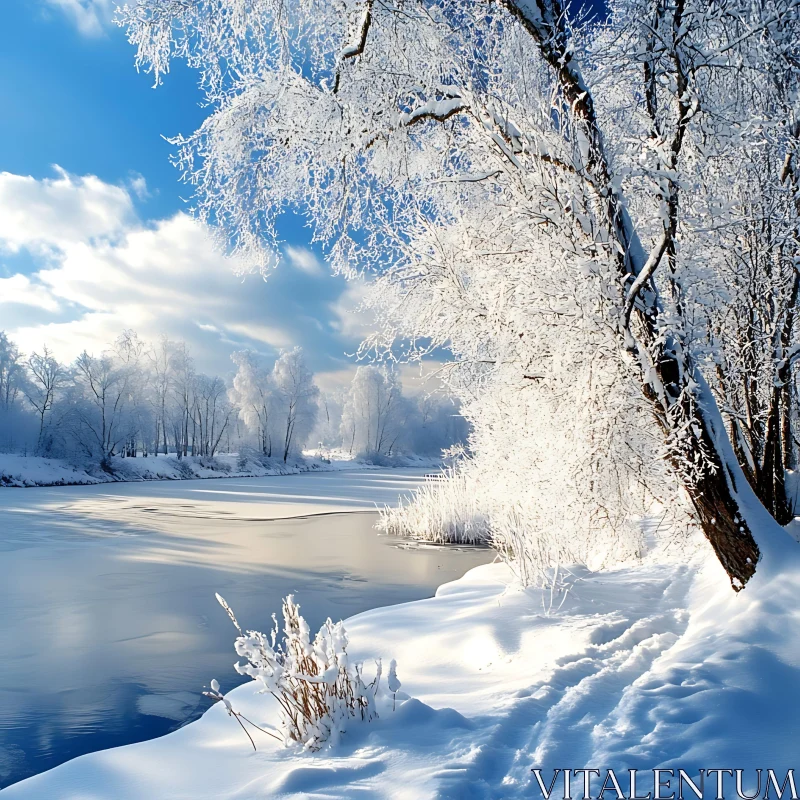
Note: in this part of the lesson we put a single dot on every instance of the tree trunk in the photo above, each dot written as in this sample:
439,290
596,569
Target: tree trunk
714,499
714,491
787,415
771,487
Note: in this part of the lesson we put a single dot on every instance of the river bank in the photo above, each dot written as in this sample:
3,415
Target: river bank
642,667
110,627
28,471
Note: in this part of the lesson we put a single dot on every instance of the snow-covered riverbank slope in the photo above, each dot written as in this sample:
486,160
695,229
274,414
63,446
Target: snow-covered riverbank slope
659,665
20,471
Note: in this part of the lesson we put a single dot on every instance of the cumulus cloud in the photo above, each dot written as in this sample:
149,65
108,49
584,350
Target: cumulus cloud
19,290
81,267
166,277
90,17
61,211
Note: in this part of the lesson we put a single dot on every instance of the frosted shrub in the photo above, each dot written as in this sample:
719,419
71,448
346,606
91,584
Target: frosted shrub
317,689
542,498
444,512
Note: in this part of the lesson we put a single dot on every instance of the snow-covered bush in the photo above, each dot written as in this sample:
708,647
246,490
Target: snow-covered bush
473,505
213,463
317,689
446,511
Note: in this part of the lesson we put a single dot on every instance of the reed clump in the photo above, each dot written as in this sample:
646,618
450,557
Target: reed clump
318,690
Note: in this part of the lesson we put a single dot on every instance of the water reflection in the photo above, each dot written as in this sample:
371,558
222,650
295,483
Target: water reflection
110,627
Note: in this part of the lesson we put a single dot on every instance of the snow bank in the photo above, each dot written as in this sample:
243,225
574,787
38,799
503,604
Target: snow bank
34,471
647,667
16,470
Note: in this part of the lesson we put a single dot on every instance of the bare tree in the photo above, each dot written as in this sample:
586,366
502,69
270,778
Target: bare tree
211,414
160,359
181,385
101,405
47,377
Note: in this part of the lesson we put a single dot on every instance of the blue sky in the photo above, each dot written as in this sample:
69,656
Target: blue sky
93,233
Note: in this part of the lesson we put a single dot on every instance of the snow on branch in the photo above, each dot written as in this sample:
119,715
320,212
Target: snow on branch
439,110
356,48
628,171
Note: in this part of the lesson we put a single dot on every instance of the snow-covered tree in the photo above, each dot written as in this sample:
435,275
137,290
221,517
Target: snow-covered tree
329,419
17,428
130,350
179,408
160,368
296,397
253,393
12,373
753,333
211,414
100,420
375,416
531,194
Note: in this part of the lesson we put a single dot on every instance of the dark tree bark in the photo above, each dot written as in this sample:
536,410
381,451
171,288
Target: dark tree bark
714,500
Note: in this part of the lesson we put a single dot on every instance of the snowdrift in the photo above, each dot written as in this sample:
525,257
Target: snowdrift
16,470
645,667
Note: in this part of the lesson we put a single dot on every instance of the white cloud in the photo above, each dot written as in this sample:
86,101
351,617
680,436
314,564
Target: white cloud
336,380
164,278
18,289
89,16
303,259
93,332
351,318
138,185
99,269
275,337
61,211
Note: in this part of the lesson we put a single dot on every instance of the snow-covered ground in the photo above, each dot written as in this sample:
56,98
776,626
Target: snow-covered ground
643,666
18,470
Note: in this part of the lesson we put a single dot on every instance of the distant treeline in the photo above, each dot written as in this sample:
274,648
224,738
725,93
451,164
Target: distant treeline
139,398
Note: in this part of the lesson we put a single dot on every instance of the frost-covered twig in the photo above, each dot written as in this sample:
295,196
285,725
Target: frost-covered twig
216,695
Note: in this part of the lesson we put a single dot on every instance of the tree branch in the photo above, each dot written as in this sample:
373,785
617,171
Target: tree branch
357,49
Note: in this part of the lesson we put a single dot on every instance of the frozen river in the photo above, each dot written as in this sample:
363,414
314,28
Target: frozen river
109,627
